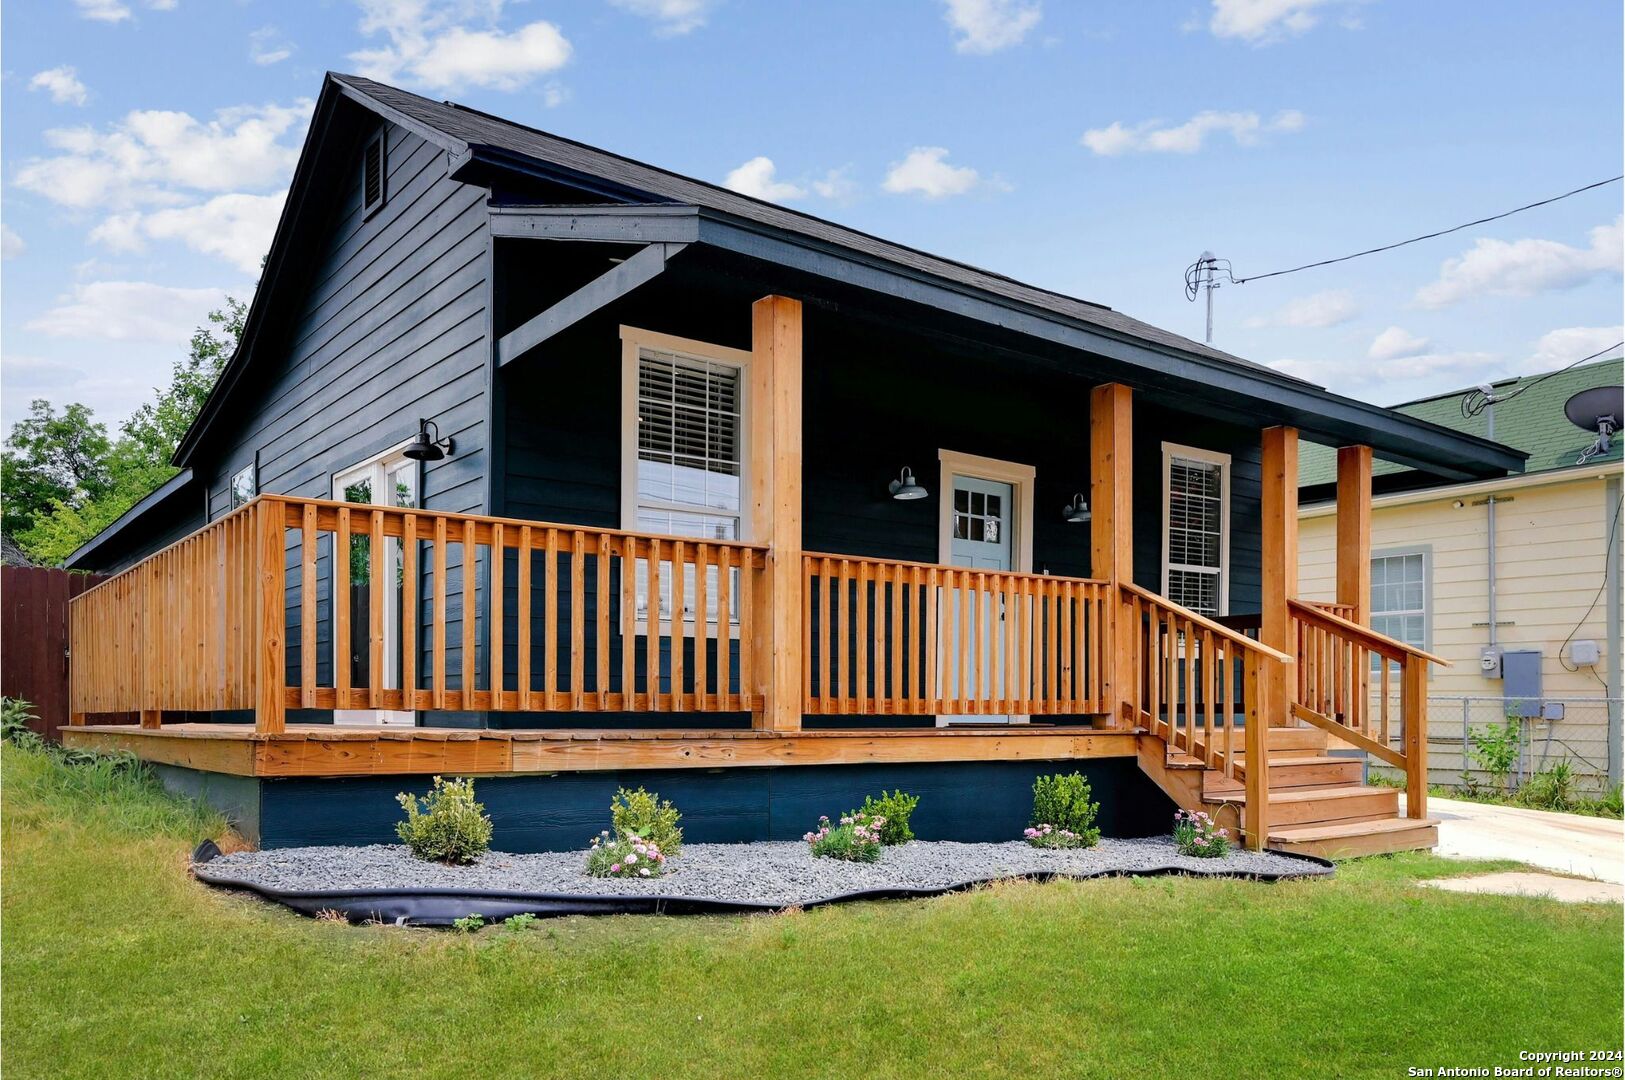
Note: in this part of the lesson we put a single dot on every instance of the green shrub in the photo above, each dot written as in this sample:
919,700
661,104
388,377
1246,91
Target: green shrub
641,814
469,924
893,808
1495,748
446,825
15,713
852,840
628,856
1062,801
1199,835
525,920
1550,789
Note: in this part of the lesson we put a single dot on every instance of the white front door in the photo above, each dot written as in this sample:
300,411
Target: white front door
390,480
981,516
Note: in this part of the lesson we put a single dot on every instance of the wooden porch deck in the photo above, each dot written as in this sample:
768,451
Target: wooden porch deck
326,750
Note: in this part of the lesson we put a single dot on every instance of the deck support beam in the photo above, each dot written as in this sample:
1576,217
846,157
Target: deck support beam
1279,563
1111,524
773,443
1354,531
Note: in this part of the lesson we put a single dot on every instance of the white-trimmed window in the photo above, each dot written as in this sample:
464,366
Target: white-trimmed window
1196,528
1399,601
683,451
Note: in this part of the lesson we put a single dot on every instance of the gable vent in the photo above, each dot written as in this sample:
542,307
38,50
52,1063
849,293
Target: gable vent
372,175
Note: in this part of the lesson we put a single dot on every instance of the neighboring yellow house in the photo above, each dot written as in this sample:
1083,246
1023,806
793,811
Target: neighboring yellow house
1555,588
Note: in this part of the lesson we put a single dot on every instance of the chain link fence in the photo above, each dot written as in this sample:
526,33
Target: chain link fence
1573,729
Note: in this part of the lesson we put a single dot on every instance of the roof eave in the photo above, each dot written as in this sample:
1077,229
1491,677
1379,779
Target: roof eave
151,501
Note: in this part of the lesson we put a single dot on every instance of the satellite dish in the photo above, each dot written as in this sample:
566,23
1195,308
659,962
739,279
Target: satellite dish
1598,409
1589,408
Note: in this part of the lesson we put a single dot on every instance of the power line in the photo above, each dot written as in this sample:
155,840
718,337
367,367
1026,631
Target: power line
1413,240
1476,401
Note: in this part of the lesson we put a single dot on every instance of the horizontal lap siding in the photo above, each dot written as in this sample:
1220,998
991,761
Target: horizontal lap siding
391,327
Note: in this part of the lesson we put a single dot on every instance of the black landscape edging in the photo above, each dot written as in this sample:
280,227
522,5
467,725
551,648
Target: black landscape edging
440,907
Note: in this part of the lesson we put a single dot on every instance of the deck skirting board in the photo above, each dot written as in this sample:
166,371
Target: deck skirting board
326,751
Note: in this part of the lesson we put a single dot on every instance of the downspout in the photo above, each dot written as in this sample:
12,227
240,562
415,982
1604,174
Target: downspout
1615,687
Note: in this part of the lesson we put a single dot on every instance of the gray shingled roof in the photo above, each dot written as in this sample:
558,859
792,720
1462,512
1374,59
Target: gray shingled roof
471,127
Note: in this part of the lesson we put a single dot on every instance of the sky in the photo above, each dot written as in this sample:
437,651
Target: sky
1096,149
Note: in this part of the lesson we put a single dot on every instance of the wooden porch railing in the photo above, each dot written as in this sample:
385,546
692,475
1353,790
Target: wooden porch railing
202,624
1195,679
1365,688
906,638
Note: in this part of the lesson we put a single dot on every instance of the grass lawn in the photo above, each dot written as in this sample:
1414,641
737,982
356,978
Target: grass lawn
117,964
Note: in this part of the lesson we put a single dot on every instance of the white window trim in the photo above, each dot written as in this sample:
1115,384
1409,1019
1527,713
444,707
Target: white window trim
1425,551
634,339
1023,478
1169,452
379,465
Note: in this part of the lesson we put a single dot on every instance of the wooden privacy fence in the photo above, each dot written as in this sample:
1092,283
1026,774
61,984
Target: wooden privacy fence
596,619
34,605
1365,688
904,638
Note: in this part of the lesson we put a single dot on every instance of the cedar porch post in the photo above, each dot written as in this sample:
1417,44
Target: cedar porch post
1111,525
1280,562
774,445
1354,531
270,674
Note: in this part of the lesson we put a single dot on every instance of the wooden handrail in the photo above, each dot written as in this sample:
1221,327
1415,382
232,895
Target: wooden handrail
890,636
1234,637
1316,614
232,617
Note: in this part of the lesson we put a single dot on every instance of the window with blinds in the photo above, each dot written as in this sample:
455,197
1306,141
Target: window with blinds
689,454
1399,597
1195,517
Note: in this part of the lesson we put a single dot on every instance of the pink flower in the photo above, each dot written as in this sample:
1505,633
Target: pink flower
615,869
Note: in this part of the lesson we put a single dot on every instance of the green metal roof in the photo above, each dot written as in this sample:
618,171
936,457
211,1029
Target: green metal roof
1533,422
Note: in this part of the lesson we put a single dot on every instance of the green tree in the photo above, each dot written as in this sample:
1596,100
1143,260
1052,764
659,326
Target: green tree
64,481
52,459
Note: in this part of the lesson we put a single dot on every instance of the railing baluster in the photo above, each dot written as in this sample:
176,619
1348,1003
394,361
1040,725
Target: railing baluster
375,612
341,611
409,612
747,627
550,622
652,638
525,613
933,696
439,648
826,661
629,623
470,614
843,680
496,605
307,603
679,623
725,628
702,621
578,620
866,700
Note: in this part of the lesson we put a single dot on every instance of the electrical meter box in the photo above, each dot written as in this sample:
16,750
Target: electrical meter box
1520,674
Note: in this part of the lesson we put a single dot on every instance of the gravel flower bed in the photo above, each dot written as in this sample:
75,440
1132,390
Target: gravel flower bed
777,873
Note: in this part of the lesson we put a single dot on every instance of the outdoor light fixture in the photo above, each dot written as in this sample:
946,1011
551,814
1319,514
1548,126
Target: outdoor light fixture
423,448
904,486
1077,511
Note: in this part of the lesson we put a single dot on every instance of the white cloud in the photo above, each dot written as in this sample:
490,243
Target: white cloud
149,154
555,94
129,311
236,227
1153,136
985,26
1524,267
926,172
111,395
62,83
670,16
1396,342
113,11
837,185
1376,378
1318,310
1263,22
756,179
432,45
267,46
11,245
1557,348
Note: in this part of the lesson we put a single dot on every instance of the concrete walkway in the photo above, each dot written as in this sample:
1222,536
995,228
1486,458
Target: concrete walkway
1568,843
1568,890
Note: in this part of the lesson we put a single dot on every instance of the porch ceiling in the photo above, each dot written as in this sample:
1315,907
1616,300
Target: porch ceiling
1192,379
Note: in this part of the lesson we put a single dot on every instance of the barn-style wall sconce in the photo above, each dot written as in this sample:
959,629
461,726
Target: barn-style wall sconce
904,487
1077,511
423,448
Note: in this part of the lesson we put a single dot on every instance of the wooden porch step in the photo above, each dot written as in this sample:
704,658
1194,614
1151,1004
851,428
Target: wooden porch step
1283,742
1287,773
1343,802
1345,839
